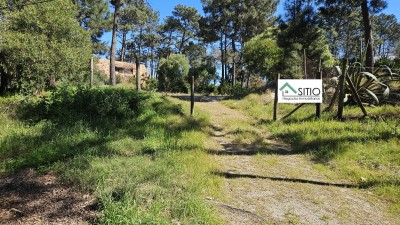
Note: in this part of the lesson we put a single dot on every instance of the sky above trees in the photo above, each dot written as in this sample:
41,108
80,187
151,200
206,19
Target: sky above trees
166,7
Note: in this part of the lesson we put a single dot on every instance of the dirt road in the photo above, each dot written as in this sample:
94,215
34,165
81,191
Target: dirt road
266,183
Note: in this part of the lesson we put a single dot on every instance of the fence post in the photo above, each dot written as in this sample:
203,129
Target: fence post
342,80
276,97
91,72
318,105
192,96
356,95
305,63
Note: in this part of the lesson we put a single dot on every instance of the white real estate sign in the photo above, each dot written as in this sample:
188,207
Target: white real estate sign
299,91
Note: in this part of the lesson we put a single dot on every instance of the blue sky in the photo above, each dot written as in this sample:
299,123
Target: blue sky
165,7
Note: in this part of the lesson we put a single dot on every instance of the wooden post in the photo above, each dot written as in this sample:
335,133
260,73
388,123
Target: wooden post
305,64
333,100
91,72
276,97
355,94
293,111
342,80
318,105
192,96
334,97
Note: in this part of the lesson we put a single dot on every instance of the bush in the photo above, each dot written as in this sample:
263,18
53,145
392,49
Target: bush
235,90
172,73
86,103
43,44
152,85
263,56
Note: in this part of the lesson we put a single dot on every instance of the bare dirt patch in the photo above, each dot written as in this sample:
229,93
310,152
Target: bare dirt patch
31,198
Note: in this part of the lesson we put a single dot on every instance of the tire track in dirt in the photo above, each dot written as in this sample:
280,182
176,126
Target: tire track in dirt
251,199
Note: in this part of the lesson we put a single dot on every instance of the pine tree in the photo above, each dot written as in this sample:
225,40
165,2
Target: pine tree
94,16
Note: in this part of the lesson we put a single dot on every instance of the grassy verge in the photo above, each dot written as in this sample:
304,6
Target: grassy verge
137,152
362,151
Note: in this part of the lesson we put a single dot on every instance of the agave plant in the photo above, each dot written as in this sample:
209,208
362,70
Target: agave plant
372,89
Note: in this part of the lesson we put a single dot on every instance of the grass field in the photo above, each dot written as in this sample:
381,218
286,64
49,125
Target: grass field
363,151
137,152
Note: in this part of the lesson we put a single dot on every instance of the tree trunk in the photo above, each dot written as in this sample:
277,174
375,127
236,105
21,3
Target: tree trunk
369,40
222,60
137,62
225,59
182,42
53,81
3,81
123,46
151,63
117,6
347,51
233,63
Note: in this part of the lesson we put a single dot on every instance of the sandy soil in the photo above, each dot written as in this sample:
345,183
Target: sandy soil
267,183
31,198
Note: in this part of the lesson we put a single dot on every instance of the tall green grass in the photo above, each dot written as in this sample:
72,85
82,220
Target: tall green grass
364,151
137,152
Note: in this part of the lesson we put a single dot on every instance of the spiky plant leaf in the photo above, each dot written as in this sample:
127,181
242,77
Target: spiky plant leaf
370,93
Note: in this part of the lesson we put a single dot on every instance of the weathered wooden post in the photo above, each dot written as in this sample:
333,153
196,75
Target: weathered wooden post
342,80
192,96
318,105
91,72
355,94
305,64
276,97
294,110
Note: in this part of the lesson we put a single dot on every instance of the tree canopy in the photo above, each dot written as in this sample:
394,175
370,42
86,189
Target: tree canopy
42,44
231,37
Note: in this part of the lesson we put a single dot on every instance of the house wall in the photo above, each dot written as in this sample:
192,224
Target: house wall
124,69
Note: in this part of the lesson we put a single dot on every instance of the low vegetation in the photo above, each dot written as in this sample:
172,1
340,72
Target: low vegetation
137,152
363,151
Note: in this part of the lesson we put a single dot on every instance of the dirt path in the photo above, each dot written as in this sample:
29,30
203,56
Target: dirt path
266,183
31,198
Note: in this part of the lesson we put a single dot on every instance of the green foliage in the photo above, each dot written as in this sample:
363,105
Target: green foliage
360,151
263,56
234,23
241,21
86,103
139,155
151,84
204,73
184,22
43,42
372,88
391,63
236,90
292,63
301,32
94,16
387,34
172,73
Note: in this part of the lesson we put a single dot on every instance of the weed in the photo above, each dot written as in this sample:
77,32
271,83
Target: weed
135,151
363,151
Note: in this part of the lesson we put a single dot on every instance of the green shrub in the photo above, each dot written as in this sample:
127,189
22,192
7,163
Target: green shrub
87,103
43,43
152,84
172,73
235,90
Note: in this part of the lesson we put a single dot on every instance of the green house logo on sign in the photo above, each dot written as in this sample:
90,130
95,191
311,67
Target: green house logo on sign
287,85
